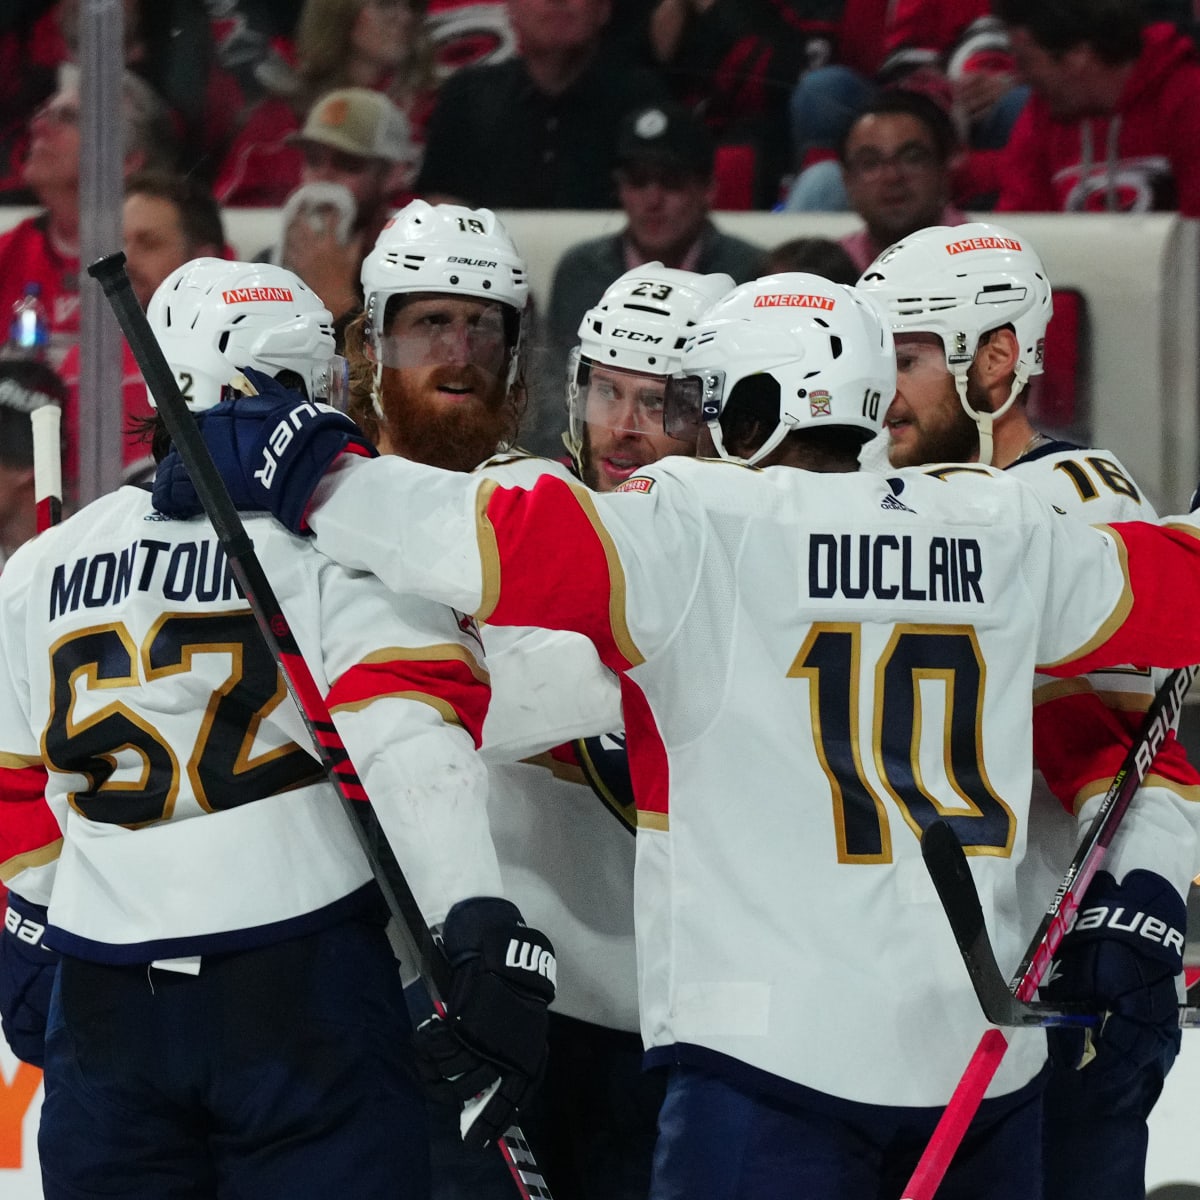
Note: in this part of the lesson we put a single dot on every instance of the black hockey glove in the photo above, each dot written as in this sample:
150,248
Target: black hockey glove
496,1019
26,979
271,450
1122,956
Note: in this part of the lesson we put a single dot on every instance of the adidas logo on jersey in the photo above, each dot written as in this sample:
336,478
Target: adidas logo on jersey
894,505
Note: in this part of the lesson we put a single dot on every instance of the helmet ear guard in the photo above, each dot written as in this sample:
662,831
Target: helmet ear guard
961,282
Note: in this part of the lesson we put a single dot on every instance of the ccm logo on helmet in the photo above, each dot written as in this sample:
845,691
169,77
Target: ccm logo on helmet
245,295
983,243
528,956
633,335
777,300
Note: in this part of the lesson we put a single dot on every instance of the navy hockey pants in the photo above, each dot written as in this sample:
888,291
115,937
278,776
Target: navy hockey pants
280,1072
717,1142
591,1121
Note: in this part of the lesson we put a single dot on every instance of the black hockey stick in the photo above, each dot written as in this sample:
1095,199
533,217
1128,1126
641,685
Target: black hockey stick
277,633
951,874
968,1094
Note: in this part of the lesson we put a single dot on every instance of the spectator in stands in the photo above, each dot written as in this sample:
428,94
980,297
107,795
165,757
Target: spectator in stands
958,46
1114,121
896,161
24,386
739,62
375,44
44,249
953,51
167,220
31,47
355,140
665,181
814,256
539,130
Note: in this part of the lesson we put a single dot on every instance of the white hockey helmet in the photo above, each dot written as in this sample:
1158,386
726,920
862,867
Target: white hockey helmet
213,317
960,282
827,350
640,325
450,250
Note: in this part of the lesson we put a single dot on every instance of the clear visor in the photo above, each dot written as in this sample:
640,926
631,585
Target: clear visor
920,356
331,383
691,401
446,338
615,399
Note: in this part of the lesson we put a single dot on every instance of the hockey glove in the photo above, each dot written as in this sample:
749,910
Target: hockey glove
270,449
26,978
496,1021
1122,955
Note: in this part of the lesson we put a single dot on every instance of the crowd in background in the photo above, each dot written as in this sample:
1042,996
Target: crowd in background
336,112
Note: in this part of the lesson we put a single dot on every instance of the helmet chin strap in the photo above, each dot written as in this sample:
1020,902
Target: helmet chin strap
985,421
780,432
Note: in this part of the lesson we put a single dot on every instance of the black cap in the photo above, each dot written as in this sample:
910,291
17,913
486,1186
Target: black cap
665,135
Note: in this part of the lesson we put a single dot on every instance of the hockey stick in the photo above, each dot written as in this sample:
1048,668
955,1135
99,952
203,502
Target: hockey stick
47,464
277,633
968,1094
947,864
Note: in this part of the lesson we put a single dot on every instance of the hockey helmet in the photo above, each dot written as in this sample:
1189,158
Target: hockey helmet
638,326
450,250
213,317
960,282
826,350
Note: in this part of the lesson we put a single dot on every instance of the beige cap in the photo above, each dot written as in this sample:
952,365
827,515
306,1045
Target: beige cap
359,121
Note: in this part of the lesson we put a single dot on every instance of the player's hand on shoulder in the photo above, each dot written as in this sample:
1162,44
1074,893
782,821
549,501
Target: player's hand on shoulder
27,970
271,451
1123,956
493,1037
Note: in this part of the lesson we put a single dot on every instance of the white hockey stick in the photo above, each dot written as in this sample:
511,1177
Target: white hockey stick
47,464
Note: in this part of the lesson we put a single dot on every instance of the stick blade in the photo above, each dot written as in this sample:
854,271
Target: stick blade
947,865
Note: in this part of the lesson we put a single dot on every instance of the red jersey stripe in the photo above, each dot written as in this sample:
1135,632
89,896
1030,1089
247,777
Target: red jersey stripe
526,531
445,677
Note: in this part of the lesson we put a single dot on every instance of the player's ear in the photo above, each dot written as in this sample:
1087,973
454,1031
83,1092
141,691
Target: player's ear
997,358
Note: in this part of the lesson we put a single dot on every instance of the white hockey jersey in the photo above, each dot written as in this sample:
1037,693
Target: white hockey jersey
1161,831
813,666
184,811
566,856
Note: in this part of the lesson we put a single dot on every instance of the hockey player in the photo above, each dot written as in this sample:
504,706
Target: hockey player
228,1017
562,805
795,968
558,801
968,308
